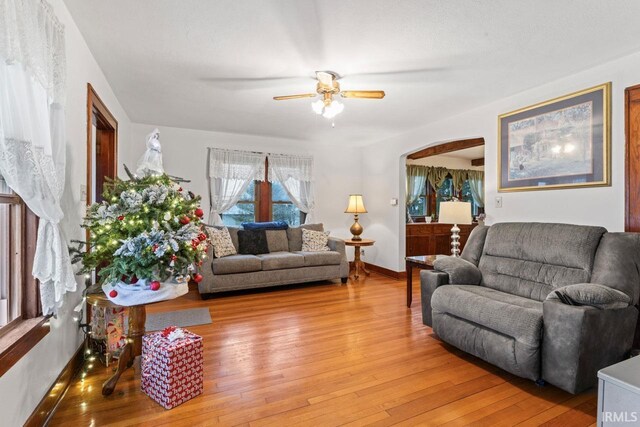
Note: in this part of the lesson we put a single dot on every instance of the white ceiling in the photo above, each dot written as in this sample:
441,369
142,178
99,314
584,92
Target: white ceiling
194,63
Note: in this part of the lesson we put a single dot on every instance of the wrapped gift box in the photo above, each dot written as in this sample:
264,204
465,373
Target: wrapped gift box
172,366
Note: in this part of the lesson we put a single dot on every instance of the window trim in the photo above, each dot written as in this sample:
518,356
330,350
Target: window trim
21,334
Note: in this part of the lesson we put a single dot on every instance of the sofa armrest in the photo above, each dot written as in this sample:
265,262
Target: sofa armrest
429,282
460,271
591,294
580,340
338,245
206,269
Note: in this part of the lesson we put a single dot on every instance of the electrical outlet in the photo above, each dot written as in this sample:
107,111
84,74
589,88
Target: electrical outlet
498,201
83,193
361,252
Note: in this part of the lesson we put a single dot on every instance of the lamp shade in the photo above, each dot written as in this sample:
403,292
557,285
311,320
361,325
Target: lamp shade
356,205
455,213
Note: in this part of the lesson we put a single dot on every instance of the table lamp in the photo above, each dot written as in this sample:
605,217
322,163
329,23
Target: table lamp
455,213
356,206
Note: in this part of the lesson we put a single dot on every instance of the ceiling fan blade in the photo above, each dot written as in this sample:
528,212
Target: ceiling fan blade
285,97
368,94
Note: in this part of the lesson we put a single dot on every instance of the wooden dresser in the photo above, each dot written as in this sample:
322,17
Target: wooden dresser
433,238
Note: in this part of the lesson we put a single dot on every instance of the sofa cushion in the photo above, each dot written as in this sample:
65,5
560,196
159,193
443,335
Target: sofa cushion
236,264
253,242
277,240
517,317
294,234
281,261
321,258
532,259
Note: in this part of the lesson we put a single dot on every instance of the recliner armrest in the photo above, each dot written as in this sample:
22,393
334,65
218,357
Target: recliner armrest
430,281
580,340
591,294
460,271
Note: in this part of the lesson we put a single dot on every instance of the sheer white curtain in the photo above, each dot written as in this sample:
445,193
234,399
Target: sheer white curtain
230,172
295,174
416,183
32,132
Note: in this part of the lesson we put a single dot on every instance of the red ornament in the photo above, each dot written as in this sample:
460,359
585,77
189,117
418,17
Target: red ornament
202,237
134,279
113,293
155,285
121,217
197,278
195,243
174,257
179,188
199,213
185,220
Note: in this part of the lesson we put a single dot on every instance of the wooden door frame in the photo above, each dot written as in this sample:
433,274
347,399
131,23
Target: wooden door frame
627,159
106,120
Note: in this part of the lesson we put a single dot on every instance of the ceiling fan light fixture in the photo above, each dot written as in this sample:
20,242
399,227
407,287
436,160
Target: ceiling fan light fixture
333,109
318,106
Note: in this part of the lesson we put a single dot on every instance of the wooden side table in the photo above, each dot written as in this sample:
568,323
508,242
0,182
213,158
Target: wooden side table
358,264
424,262
133,347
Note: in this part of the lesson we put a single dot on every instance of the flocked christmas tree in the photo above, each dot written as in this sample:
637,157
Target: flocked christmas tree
146,228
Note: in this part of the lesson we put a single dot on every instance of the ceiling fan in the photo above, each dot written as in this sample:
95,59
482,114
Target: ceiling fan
327,87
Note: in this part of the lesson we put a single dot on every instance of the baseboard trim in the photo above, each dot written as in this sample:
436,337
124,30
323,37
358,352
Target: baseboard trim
47,406
398,275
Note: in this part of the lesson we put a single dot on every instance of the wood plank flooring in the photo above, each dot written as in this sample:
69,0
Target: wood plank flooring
328,355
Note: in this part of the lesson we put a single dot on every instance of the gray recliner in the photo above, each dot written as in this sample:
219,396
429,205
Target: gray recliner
552,302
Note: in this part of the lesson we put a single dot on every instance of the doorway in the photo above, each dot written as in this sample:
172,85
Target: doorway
449,171
632,158
102,146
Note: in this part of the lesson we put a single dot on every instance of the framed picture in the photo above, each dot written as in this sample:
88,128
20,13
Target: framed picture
561,143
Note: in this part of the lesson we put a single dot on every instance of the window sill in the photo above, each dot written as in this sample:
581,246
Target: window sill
19,338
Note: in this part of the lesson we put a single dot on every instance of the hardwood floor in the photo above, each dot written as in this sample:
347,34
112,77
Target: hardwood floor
328,355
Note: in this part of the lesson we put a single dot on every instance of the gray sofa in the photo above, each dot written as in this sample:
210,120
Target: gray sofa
548,302
285,263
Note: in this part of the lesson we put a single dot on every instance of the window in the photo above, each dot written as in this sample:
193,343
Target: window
244,210
10,248
263,201
428,204
282,209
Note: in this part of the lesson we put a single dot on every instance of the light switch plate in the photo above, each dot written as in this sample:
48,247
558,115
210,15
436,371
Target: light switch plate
83,193
394,202
498,201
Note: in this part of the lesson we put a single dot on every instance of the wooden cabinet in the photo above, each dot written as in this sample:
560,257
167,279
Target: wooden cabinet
433,238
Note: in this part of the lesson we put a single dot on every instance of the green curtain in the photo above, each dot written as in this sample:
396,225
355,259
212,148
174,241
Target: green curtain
416,182
458,177
476,184
436,176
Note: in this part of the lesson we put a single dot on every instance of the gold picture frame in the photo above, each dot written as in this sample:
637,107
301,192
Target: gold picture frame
561,143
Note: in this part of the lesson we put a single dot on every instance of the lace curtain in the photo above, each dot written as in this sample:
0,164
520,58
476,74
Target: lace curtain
229,173
295,174
32,133
416,183
476,184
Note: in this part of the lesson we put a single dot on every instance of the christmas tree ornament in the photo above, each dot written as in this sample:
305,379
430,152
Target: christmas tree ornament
155,285
197,277
199,213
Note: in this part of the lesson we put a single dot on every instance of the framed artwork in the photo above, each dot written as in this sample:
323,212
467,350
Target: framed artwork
561,143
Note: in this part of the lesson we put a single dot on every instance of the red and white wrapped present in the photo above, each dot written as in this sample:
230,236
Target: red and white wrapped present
172,366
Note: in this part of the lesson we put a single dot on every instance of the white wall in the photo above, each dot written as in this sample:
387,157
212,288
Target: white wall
337,169
24,385
598,206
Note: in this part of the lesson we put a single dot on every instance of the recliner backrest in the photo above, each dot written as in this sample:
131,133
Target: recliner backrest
532,259
617,263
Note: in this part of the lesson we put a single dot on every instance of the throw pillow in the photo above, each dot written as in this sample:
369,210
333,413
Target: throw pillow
253,242
277,240
221,242
294,234
272,225
315,241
